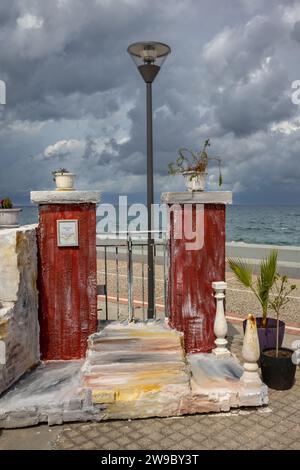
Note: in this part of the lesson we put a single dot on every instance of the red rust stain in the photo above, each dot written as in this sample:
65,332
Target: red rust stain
192,305
252,320
67,282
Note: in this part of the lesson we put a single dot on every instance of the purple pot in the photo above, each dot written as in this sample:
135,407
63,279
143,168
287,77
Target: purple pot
267,335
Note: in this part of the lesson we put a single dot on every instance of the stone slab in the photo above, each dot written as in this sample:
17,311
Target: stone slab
219,381
65,197
65,391
50,393
197,197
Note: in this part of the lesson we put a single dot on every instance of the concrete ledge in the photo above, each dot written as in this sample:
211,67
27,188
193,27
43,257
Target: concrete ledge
197,197
65,197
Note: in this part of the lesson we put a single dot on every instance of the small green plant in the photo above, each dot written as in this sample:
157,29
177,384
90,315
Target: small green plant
281,291
60,171
6,203
197,162
265,279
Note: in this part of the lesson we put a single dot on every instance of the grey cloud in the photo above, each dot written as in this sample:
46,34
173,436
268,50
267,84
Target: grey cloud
228,78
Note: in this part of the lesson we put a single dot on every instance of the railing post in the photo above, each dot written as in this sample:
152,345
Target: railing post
220,324
130,281
251,353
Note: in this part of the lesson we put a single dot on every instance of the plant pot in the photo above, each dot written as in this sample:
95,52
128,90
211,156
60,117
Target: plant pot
64,181
278,372
267,335
194,181
9,218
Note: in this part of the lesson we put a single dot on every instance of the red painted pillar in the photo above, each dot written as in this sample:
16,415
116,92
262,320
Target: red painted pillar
67,275
193,267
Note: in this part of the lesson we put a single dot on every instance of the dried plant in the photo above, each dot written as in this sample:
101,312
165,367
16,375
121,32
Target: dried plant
281,291
60,171
197,162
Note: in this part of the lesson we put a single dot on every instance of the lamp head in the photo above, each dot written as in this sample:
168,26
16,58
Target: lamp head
149,57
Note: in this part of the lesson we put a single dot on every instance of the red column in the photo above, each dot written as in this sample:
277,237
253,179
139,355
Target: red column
67,281
191,273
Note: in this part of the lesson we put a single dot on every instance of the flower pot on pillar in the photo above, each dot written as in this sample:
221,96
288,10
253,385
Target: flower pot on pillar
196,259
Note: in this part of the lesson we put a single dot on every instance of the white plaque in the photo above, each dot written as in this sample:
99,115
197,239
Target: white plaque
67,232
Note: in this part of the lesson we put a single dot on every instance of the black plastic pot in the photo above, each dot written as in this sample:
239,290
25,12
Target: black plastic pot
278,372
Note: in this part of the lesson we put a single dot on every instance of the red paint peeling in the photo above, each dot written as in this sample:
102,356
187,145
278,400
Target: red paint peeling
191,273
67,282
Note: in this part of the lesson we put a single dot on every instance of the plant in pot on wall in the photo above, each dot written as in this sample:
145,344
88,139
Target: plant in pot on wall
277,367
194,168
8,214
261,288
64,179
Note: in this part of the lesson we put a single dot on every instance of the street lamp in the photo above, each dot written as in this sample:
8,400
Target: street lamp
149,57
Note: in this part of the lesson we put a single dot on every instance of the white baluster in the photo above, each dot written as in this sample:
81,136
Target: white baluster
251,353
220,325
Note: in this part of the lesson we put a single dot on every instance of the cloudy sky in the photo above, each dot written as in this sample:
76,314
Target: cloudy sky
75,100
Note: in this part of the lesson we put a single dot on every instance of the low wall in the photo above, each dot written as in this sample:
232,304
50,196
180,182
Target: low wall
19,328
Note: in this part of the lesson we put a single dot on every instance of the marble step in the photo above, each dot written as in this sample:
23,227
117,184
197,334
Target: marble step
136,344
129,379
138,364
135,357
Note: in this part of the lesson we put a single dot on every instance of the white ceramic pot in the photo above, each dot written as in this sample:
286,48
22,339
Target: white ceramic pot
64,181
194,181
9,218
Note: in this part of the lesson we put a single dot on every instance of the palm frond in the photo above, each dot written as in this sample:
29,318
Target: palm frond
267,276
242,270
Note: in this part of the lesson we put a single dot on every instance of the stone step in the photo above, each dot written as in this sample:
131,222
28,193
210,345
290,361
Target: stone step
115,371
136,330
137,344
127,365
135,357
153,379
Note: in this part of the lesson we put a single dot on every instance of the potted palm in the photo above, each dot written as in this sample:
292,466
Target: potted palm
277,367
64,179
8,214
194,167
261,288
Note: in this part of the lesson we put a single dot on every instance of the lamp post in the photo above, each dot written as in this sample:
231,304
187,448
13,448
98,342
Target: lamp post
149,57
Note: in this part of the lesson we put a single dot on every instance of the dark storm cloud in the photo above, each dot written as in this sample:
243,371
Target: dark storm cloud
296,31
75,99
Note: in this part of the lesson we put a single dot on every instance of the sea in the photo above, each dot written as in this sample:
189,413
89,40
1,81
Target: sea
262,224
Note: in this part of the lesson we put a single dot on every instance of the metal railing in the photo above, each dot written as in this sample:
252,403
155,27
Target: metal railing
120,255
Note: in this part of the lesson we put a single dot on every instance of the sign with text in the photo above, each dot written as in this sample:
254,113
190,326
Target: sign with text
67,233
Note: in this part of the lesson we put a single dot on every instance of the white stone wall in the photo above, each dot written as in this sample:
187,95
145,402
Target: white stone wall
19,328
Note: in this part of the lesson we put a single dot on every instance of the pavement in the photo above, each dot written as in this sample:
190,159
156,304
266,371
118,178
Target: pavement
276,426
